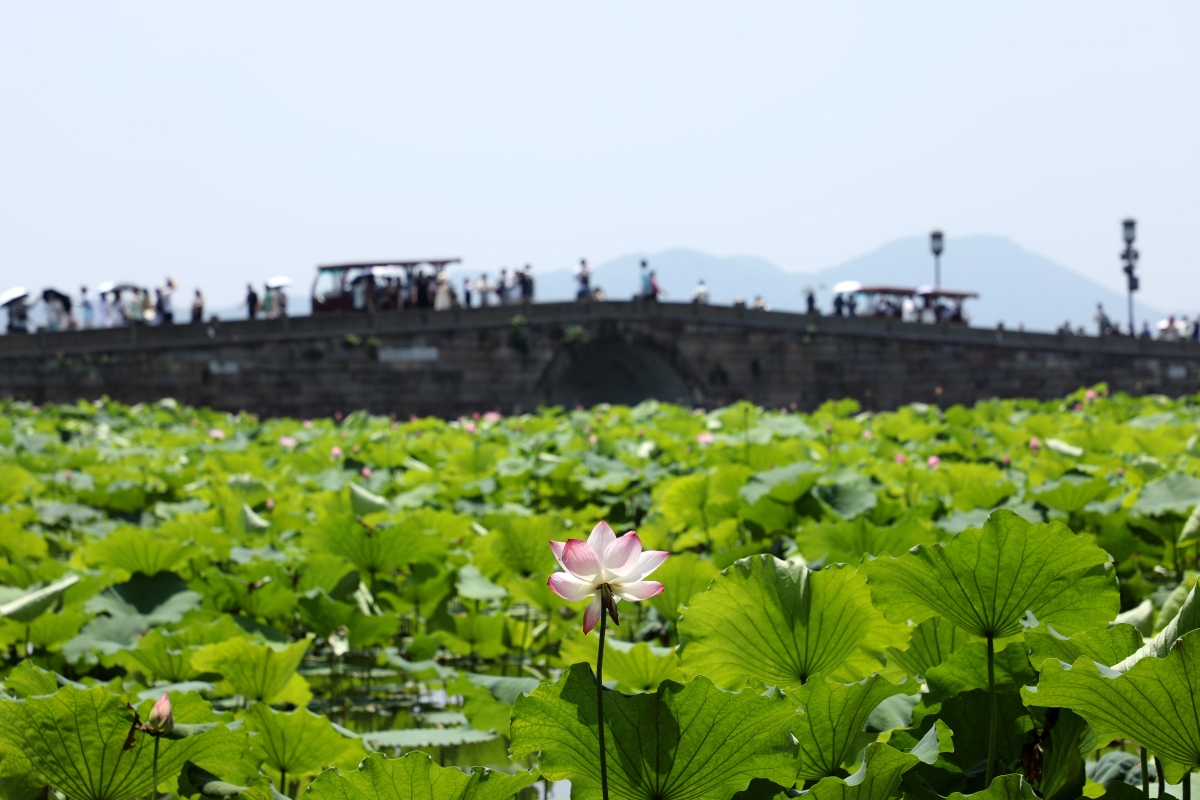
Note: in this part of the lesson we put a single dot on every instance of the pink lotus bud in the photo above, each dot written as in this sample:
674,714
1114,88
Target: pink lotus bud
705,438
395,425
161,720
867,434
307,423
899,458
366,472
335,452
355,448
270,504
592,439
475,415
1090,395
470,427
337,415
491,416
1034,444
1004,459
937,390
934,462
412,417
287,441
68,475
216,433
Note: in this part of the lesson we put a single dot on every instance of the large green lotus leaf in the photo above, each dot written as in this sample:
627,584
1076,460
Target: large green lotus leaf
847,541
29,680
966,669
1063,775
933,641
1191,528
472,585
85,744
413,738
128,550
784,484
165,655
26,605
1187,620
1174,602
125,610
848,497
1175,493
882,768
831,717
1003,787
683,576
380,549
780,623
636,667
299,742
364,502
1156,702
476,634
699,501
1106,645
690,741
255,671
1141,617
414,776
518,544
968,715
1070,493
991,580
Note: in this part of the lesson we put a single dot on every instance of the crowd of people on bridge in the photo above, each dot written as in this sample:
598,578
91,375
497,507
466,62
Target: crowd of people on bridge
113,305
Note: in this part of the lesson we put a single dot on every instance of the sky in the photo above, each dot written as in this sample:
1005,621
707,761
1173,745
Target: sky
221,142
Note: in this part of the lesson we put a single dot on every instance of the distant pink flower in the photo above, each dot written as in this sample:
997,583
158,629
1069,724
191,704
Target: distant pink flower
937,390
705,438
1004,459
335,452
1089,395
1079,406
216,433
337,415
867,434
1034,444
412,417
899,458
307,423
270,504
355,448
491,416
68,475
606,568
366,472
592,439
395,425
287,441
934,462
475,415
579,408
470,427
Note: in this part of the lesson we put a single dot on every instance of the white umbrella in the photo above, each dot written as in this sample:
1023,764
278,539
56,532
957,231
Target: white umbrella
278,282
15,293
846,287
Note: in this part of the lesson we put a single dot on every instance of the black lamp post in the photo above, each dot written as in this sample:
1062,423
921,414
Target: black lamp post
935,243
1129,228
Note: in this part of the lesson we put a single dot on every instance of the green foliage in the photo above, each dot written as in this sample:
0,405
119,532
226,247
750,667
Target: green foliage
415,776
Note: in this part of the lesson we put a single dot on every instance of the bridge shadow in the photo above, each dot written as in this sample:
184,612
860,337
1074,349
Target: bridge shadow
611,370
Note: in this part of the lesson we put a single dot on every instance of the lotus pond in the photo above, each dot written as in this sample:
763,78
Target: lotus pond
924,603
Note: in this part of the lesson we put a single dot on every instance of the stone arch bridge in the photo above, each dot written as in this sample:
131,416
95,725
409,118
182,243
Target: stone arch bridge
516,358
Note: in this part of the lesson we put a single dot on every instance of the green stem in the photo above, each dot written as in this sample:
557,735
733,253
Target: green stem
1187,786
600,705
154,770
1145,774
1162,779
283,781
991,759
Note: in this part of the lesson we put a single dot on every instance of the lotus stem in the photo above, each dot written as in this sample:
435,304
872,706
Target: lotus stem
991,759
1187,786
600,704
1145,773
1162,780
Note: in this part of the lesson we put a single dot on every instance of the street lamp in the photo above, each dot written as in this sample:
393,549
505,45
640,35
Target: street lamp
935,243
1129,229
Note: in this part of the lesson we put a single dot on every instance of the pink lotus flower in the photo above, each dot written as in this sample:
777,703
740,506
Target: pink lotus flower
867,434
705,438
1090,395
337,415
934,462
470,427
491,416
1034,444
899,458
1004,459
592,439
270,504
216,433
366,472
335,452
287,441
307,423
474,415
1079,406
606,568
161,719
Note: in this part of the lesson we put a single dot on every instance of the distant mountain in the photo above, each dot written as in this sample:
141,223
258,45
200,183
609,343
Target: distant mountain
1014,285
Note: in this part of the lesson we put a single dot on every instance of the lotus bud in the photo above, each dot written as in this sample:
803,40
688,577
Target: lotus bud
161,720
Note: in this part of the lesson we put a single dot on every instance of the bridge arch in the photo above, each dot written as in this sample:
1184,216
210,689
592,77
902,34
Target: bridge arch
615,369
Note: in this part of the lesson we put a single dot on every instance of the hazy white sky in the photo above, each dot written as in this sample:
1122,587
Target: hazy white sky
221,141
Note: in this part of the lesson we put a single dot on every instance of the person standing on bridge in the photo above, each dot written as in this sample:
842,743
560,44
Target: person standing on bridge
700,293
466,292
525,280
251,301
197,307
87,313
583,276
